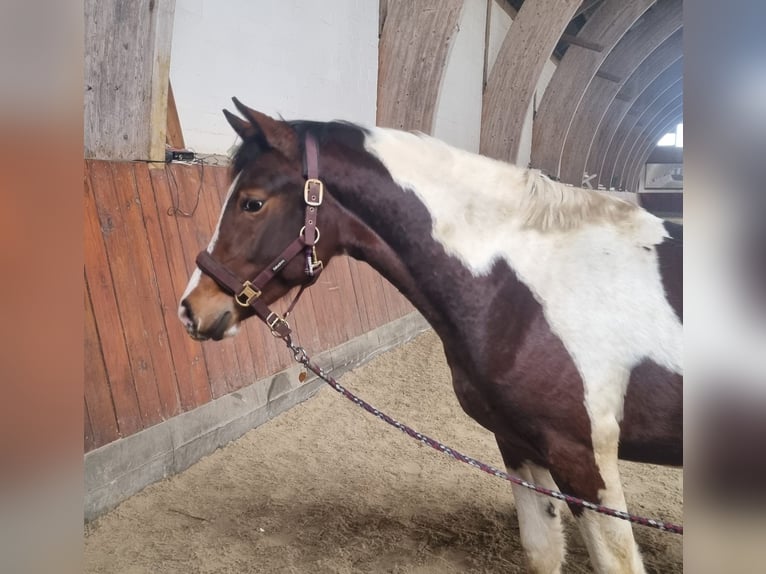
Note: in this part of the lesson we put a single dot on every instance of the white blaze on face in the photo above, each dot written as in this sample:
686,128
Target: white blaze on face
197,274
598,281
232,187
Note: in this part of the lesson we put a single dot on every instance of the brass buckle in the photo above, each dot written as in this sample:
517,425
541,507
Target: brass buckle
273,320
307,190
314,263
249,292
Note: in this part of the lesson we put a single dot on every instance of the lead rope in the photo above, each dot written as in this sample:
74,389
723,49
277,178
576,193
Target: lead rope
299,354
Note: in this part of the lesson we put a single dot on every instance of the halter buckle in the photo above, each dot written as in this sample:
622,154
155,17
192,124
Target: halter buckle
273,321
307,192
313,262
249,292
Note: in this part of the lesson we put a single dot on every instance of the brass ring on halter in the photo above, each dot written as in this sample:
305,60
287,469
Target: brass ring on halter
302,233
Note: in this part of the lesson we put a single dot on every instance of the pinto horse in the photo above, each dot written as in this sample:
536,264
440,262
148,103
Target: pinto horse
559,308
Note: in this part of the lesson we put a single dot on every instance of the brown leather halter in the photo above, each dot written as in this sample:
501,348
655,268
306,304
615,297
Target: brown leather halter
248,293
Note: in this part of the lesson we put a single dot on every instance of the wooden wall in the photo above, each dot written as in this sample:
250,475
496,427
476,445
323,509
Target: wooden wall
140,365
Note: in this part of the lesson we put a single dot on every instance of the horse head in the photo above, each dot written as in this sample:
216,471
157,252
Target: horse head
265,211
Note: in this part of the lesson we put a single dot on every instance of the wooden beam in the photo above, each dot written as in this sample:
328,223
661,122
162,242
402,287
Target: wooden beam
649,143
609,77
582,42
512,81
648,122
647,140
414,45
655,73
657,24
127,62
175,135
634,121
635,177
574,73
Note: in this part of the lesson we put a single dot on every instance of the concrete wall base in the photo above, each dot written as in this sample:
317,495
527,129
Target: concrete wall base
122,468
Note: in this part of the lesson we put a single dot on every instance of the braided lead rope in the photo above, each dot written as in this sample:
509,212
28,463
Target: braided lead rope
299,354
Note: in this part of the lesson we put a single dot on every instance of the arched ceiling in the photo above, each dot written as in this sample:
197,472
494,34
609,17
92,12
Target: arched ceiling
620,69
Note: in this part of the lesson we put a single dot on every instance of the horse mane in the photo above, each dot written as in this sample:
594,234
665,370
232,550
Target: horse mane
548,205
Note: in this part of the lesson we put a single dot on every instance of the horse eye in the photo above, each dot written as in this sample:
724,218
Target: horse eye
252,205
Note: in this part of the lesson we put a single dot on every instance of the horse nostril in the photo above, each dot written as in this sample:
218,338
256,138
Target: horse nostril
187,314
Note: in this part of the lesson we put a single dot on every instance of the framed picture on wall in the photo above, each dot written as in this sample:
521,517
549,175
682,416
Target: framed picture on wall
664,176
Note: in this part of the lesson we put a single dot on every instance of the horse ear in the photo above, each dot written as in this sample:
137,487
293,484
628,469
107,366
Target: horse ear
243,128
279,135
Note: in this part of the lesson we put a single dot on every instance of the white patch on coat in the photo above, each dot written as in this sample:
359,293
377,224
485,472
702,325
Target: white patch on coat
597,278
540,528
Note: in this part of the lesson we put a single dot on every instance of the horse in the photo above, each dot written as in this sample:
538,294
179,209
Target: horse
559,308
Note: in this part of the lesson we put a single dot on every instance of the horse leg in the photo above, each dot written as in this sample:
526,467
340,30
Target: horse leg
609,540
542,534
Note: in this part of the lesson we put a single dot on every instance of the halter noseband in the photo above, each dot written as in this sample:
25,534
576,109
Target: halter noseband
248,293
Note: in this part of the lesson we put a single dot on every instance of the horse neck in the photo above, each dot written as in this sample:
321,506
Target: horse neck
392,229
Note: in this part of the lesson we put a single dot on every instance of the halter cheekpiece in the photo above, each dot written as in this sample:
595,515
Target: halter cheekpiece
248,293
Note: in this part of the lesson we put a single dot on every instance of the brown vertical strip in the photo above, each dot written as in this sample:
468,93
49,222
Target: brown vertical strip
412,55
175,135
147,302
120,255
188,356
88,442
350,316
99,223
177,349
98,395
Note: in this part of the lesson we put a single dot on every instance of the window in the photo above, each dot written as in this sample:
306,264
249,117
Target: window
674,138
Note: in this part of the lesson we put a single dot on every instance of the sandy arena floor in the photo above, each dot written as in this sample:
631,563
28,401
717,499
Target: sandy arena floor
327,488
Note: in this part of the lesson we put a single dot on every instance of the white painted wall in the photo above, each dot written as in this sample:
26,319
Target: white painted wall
457,119
303,60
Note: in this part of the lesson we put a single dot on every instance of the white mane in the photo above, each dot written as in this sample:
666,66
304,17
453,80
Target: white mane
523,196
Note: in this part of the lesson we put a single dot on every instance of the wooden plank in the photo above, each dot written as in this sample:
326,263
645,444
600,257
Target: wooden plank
196,230
148,297
581,42
350,316
88,443
127,57
513,79
99,223
175,135
413,50
397,304
98,395
575,71
188,376
179,262
161,36
127,287
370,288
